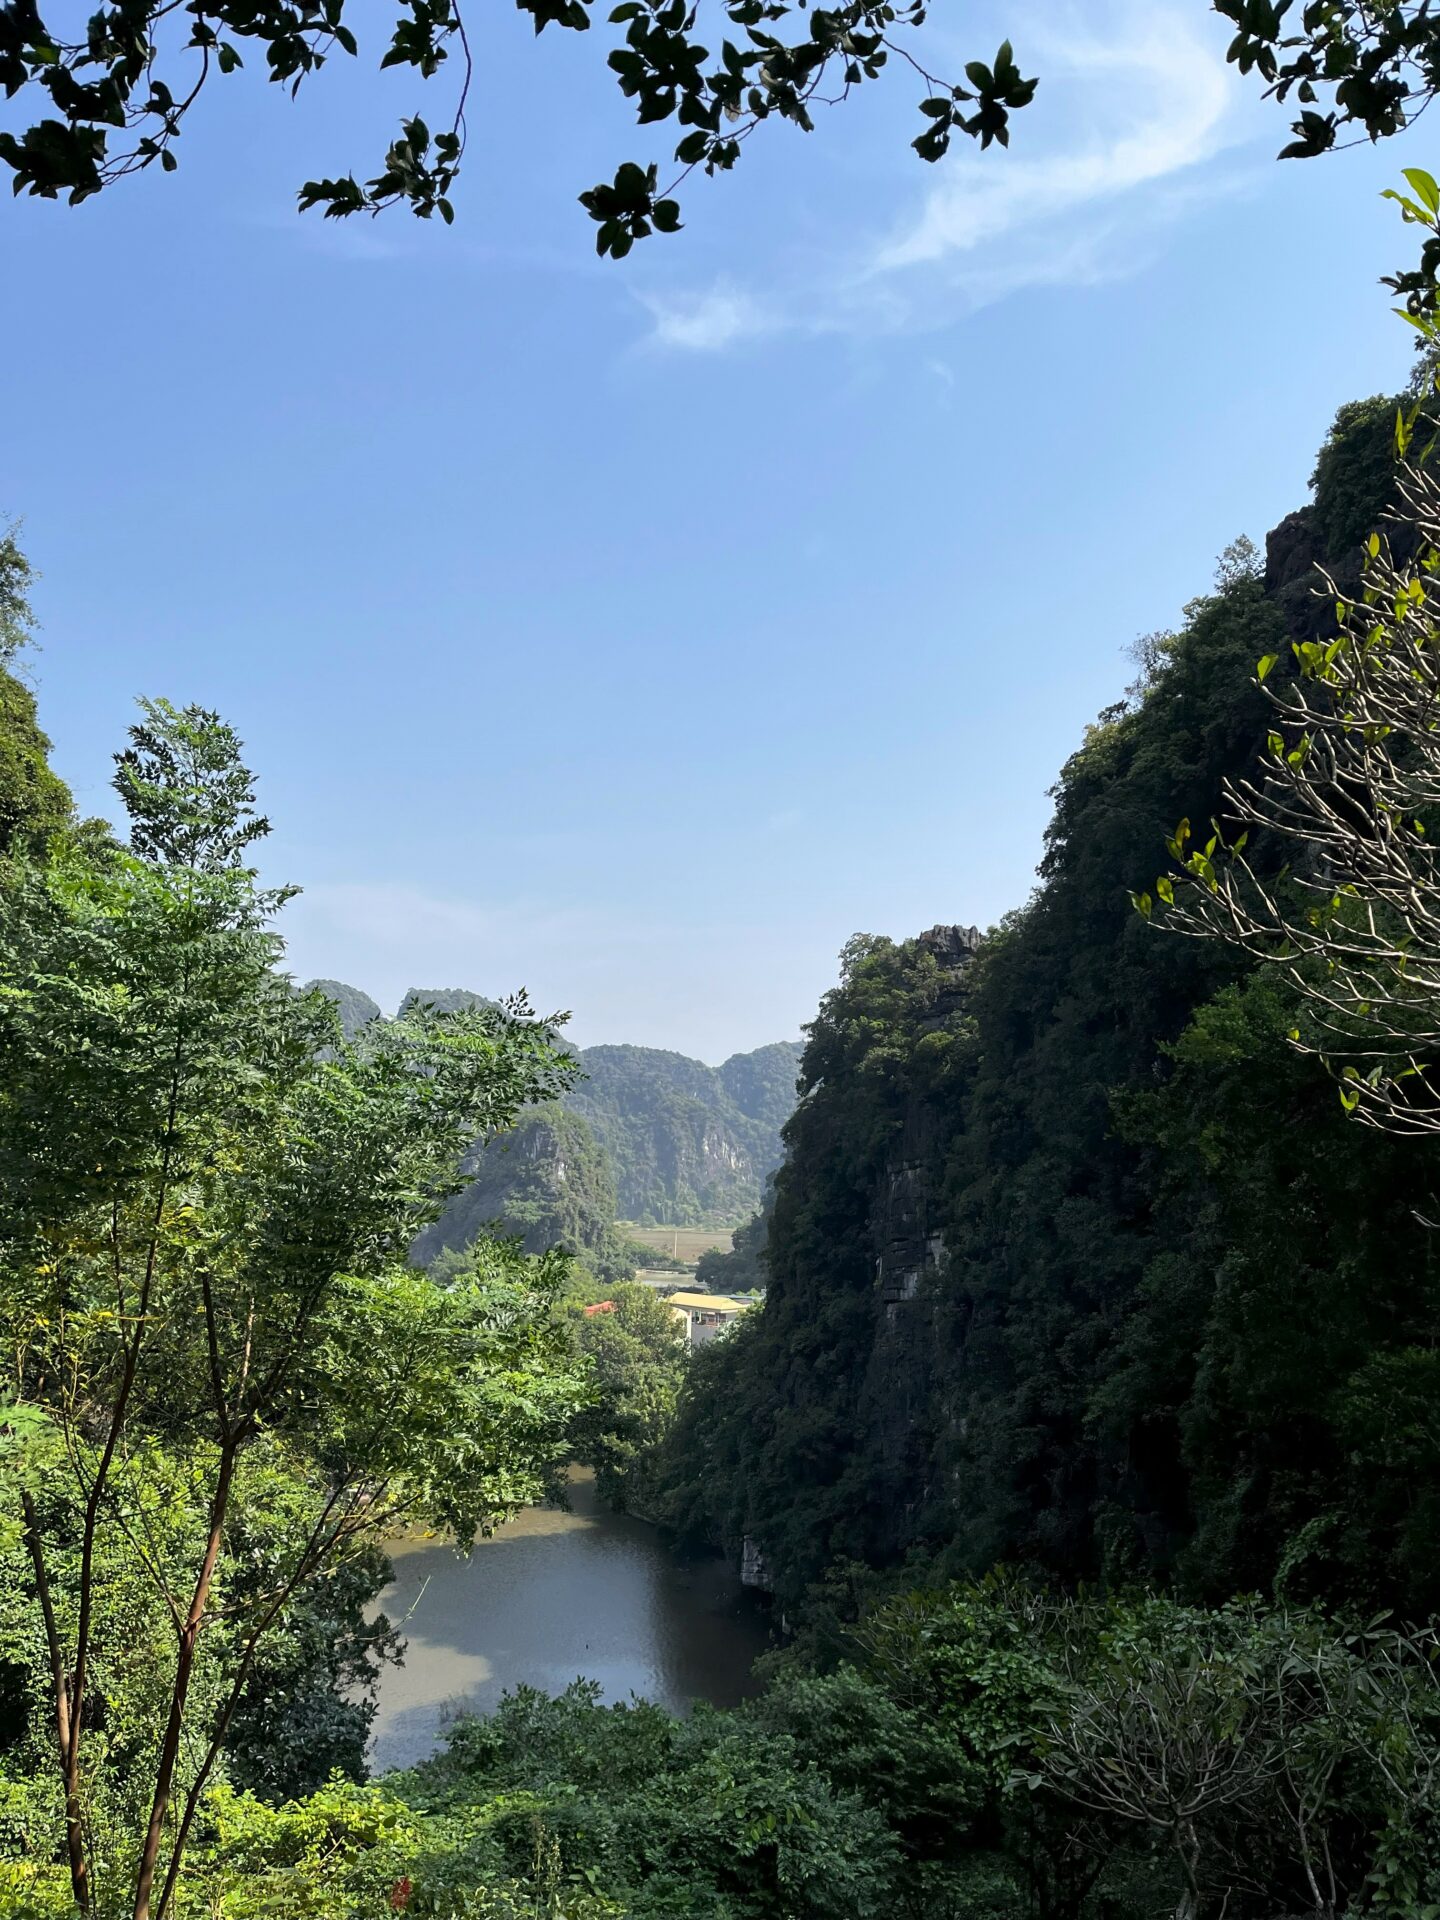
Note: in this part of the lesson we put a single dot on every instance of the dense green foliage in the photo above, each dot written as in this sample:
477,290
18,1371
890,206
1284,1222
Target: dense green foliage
637,1361
977,1752
1072,1261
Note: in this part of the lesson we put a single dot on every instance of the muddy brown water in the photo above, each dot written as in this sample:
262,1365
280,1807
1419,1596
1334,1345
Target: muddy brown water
550,1597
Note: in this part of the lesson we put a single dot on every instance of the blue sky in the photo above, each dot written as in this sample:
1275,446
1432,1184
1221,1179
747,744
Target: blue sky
636,633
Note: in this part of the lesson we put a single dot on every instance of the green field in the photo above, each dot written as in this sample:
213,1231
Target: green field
678,1246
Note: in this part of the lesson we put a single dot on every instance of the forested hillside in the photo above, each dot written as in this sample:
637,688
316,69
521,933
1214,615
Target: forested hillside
1073,1261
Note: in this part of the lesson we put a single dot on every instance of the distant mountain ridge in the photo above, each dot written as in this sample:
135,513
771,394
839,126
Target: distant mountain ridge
686,1144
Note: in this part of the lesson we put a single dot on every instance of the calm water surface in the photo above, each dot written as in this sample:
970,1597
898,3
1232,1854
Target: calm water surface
551,1596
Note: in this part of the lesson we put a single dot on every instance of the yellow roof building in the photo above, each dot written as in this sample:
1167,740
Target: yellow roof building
707,1303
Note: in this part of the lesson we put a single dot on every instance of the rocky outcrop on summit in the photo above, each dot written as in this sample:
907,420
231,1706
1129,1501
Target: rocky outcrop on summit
356,1009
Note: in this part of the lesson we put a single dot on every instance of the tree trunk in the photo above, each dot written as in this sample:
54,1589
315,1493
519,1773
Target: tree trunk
180,1691
60,1684
1187,1846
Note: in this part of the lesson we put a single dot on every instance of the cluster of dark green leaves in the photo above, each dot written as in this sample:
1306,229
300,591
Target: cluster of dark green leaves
994,93
111,110
759,75
1379,65
418,168
114,113
1349,64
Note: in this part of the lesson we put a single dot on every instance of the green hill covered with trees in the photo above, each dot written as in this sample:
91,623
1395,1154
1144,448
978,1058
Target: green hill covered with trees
546,1183
1073,1260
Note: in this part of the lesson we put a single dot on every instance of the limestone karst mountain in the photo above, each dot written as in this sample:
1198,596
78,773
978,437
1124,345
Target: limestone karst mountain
648,1135
691,1145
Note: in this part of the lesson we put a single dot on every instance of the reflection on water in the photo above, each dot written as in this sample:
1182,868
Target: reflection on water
550,1596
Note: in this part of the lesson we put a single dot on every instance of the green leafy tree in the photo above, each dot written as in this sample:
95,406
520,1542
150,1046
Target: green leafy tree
637,1358
217,1353
33,799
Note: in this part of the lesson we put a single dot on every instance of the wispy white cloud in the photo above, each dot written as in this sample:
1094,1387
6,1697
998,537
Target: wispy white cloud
1132,115
1164,95
708,320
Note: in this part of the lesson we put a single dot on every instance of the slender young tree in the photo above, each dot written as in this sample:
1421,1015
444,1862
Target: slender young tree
1322,863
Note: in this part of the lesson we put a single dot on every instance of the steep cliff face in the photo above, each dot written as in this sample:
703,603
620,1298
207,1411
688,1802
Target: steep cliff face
815,1422
902,1399
547,1183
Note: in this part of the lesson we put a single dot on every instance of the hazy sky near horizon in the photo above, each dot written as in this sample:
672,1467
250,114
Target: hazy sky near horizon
636,633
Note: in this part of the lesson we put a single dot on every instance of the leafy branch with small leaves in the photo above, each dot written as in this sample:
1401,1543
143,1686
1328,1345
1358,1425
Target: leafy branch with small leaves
1349,789
1346,805
117,100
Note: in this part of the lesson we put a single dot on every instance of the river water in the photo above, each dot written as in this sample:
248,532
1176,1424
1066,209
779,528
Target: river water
550,1596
